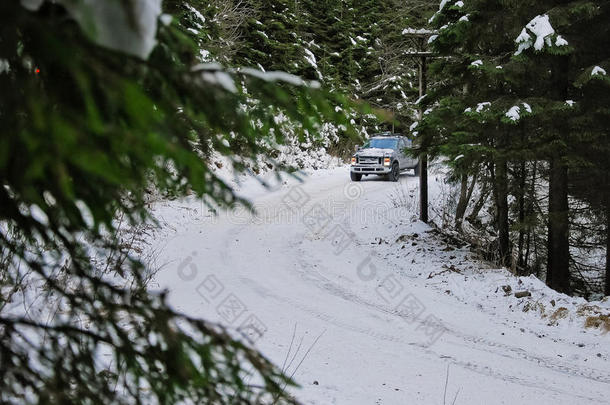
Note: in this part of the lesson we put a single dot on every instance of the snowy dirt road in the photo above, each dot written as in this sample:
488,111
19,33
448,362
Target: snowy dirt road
338,284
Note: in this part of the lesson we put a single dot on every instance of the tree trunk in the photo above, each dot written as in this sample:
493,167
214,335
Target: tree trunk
465,196
460,210
499,181
530,211
502,207
558,268
521,258
558,243
480,202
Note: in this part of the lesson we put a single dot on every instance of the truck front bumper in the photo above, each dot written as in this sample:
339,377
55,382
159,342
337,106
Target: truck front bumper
370,169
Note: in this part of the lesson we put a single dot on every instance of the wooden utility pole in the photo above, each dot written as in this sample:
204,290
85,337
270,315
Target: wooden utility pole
423,157
419,39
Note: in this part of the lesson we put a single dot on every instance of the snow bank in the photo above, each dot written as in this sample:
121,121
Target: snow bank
455,271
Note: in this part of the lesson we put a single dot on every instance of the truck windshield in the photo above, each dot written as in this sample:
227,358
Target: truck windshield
381,143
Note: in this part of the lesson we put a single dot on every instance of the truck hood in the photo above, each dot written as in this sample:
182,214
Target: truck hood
375,152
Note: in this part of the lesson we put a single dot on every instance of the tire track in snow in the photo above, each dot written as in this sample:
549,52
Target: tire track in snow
335,289
470,365
311,276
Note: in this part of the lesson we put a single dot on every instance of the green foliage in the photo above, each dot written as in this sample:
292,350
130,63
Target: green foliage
351,47
540,104
86,132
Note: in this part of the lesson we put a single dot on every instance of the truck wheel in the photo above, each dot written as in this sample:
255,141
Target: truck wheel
395,173
416,169
355,176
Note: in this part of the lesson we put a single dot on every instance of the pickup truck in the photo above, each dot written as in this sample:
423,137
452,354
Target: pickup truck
383,155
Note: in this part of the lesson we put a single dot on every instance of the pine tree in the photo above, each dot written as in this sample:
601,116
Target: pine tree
88,123
505,97
588,35
467,119
569,49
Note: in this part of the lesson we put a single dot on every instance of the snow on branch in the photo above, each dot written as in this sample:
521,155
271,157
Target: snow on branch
129,29
278,76
482,106
200,19
422,31
514,113
441,6
539,27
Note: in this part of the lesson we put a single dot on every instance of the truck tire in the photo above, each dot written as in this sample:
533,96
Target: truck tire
395,173
355,176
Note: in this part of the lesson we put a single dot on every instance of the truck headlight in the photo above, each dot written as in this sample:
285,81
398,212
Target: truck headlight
353,160
386,161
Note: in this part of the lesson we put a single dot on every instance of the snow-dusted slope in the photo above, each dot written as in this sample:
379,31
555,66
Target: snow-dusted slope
364,305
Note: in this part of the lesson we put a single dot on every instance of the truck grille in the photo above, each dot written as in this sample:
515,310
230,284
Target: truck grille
369,160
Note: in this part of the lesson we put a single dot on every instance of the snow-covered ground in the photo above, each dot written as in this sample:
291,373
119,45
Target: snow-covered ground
341,286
